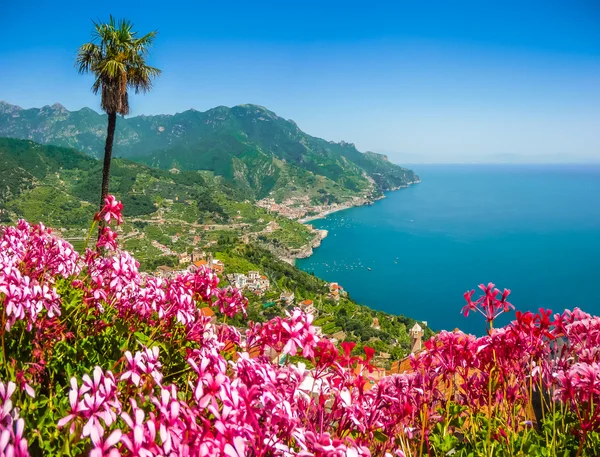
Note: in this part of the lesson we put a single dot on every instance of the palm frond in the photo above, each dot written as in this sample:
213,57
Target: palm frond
116,56
142,44
87,55
112,69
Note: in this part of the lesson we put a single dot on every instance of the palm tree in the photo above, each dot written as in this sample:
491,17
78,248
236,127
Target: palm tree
117,58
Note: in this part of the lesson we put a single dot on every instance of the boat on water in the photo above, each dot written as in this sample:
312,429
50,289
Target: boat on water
369,268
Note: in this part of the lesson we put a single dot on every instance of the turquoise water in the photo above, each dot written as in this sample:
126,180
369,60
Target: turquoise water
532,229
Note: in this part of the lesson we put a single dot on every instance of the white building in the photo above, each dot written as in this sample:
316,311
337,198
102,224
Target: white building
239,281
307,306
287,297
263,282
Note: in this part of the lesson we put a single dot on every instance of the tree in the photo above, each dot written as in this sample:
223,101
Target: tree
117,58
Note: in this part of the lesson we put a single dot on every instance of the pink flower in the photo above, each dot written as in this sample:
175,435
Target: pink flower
143,365
95,403
238,449
12,440
489,305
108,239
105,447
140,440
111,210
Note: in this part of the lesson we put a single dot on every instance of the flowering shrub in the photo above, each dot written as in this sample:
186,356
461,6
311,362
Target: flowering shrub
98,359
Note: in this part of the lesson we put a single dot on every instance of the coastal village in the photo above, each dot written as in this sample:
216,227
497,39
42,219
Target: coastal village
256,284
301,209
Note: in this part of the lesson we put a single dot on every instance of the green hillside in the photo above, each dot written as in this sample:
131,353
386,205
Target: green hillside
179,210
252,148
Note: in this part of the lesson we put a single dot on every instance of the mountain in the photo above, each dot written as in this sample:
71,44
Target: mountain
251,147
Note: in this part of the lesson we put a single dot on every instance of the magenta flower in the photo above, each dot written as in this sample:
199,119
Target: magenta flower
145,364
95,403
491,304
108,239
105,447
238,449
111,210
12,440
142,435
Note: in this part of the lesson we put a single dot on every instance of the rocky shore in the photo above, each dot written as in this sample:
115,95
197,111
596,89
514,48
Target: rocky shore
305,251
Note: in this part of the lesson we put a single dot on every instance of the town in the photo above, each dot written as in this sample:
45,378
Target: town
301,209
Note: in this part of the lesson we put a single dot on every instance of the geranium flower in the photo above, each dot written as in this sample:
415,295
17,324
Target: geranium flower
111,210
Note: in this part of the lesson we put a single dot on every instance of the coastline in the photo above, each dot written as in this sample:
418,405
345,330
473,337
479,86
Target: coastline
307,250
350,204
324,214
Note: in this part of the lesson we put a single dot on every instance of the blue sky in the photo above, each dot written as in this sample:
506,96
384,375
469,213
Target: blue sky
421,81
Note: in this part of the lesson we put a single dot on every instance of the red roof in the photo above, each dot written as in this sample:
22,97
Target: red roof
206,311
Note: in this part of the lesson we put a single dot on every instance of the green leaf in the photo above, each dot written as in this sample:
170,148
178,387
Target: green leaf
380,436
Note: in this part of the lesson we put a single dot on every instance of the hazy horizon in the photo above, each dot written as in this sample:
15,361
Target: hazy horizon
421,83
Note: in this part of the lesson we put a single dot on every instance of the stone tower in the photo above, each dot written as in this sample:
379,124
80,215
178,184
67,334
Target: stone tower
416,338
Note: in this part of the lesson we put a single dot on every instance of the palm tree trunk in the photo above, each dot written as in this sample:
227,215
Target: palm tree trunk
110,136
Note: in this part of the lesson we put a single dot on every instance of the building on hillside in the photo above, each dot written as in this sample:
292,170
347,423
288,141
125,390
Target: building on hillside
257,283
197,265
416,338
239,281
271,227
164,271
218,266
375,325
184,258
263,282
197,255
287,297
307,306
335,291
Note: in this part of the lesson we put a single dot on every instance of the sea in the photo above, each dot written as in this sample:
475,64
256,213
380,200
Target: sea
533,229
